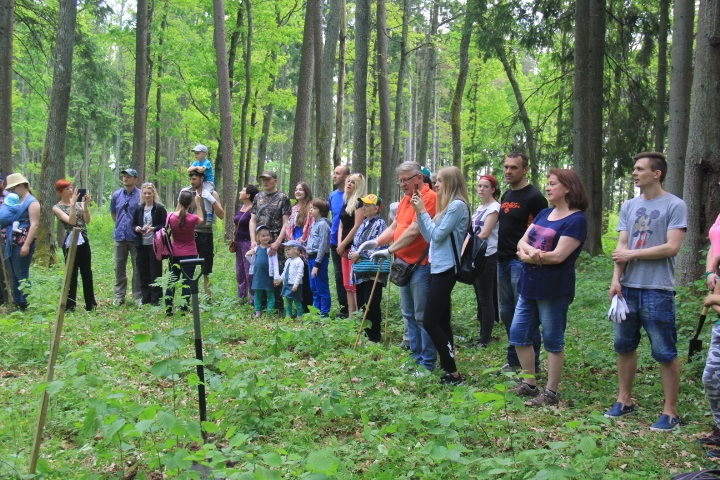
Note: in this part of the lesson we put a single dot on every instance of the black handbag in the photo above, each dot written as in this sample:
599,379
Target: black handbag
473,258
401,272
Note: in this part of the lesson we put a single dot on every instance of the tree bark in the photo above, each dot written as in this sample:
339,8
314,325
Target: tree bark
227,143
430,61
661,76
360,72
587,111
248,89
702,167
53,156
397,127
681,73
325,127
455,120
386,145
337,150
158,96
141,88
7,14
303,111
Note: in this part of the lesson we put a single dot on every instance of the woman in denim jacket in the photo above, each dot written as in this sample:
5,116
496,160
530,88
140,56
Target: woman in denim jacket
445,233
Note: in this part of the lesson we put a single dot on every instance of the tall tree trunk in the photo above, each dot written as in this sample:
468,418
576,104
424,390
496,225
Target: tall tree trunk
141,86
397,127
86,157
101,182
325,127
7,14
702,168
360,72
455,120
587,111
53,155
337,150
386,145
522,111
430,61
303,111
158,95
661,76
247,58
226,126
680,86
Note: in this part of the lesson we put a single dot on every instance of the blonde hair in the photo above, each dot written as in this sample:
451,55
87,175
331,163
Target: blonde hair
452,186
360,191
156,198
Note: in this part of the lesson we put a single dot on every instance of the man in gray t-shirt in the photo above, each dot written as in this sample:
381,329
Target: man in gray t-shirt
652,228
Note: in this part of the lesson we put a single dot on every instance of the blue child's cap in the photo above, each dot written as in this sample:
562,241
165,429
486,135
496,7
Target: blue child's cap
12,199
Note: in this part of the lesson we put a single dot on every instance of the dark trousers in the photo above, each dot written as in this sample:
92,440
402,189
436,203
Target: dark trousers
374,314
150,269
339,286
83,265
437,317
176,275
486,297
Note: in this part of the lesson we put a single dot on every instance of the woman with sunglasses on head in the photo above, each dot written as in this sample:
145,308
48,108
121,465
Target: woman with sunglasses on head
150,216
350,219
72,212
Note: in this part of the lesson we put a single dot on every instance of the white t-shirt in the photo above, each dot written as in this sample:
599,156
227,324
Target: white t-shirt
478,221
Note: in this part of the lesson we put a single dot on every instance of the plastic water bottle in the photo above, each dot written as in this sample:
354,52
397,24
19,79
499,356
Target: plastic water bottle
209,218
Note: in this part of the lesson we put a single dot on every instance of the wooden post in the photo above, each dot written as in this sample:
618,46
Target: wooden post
69,267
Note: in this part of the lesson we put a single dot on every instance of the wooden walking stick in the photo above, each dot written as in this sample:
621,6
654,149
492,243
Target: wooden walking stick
387,314
367,306
69,267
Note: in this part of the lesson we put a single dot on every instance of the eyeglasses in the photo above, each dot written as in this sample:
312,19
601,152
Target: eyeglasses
403,181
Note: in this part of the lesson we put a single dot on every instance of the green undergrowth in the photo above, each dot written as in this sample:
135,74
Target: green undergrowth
292,398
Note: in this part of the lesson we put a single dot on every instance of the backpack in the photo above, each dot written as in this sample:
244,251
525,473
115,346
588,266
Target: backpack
162,243
473,257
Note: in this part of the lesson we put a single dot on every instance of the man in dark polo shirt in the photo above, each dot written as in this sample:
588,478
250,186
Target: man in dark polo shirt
204,232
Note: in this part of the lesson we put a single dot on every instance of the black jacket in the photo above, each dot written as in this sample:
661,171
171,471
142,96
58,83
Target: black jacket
159,215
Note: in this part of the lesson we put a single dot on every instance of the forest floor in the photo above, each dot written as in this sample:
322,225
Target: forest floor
292,398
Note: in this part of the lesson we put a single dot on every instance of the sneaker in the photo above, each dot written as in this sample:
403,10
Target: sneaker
665,423
405,345
712,439
119,301
545,398
522,389
450,379
619,410
409,365
258,313
421,372
507,368
714,453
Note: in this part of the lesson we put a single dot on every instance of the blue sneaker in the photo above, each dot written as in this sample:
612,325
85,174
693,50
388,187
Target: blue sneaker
619,410
665,423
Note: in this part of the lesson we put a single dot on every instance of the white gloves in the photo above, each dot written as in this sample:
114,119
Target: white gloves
618,309
369,245
379,255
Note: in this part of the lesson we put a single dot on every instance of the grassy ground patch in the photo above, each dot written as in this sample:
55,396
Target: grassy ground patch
291,398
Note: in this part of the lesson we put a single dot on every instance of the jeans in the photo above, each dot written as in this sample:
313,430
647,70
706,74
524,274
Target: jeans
412,304
653,310
372,305
711,375
122,249
551,314
83,264
149,268
20,271
242,270
438,314
320,285
339,287
508,274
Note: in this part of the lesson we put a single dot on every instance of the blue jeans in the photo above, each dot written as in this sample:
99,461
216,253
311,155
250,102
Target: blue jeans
508,275
19,271
551,314
412,304
653,310
320,285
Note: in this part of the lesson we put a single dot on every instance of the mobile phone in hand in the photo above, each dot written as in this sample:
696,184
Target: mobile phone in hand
81,192
417,190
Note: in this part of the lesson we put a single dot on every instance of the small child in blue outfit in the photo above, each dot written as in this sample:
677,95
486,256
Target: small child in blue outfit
318,253
265,271
293,278
203,164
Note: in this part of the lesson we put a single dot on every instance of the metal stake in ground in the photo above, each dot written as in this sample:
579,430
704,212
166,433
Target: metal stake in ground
367,305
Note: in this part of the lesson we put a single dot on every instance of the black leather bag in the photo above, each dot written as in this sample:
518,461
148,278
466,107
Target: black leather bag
472,259
401,272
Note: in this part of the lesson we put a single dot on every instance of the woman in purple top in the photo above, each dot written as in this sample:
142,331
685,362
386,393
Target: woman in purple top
242,242
182,225
548,250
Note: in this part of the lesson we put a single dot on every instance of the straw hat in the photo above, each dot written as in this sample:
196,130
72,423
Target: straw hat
15,179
